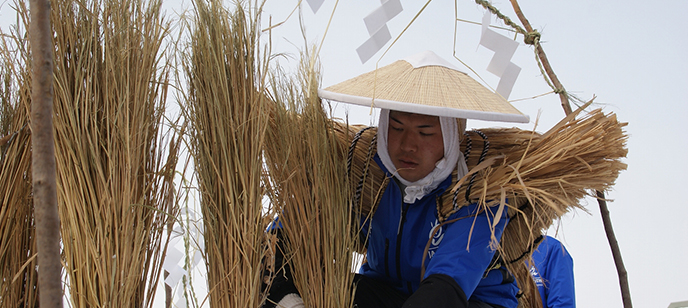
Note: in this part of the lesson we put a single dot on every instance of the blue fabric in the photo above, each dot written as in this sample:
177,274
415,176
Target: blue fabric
396,246
553,274
276,224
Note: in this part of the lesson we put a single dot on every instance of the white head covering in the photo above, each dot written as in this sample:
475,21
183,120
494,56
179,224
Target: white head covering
443,168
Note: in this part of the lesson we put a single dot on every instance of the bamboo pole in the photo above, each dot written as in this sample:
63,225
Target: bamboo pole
604,211
43,158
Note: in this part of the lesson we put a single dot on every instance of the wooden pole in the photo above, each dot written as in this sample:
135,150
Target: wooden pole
168,292
606,220
616,252
558,87
43,157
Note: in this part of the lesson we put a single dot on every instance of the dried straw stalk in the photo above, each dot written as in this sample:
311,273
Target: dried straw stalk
18,274
18,287
228,121
114,169
310,188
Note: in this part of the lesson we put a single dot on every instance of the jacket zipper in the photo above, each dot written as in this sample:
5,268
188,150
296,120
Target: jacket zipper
402,220
387,257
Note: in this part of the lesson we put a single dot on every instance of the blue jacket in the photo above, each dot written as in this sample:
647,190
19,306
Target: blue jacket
399,233
553,274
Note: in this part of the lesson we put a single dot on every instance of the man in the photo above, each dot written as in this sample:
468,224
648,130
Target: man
420,152
416,255
552,271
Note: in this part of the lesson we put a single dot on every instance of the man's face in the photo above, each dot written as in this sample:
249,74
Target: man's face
414,143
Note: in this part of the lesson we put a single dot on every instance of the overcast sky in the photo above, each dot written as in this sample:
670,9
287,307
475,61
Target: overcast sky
630,54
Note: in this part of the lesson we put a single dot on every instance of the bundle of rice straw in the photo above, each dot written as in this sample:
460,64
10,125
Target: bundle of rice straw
18,274
229,121
541,176
114,166
310,189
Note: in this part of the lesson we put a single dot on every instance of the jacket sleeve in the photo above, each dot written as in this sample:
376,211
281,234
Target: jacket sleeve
465,260
437,291
559,281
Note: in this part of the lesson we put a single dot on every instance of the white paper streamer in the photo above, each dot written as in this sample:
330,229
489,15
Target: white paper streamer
171,263
178,293
315,4
176,251
373,44
181,302
506,83
380,16
198,256
175,275
174,240
376,23
500,64
172,258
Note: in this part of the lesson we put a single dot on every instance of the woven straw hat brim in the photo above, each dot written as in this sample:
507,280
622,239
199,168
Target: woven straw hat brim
433,90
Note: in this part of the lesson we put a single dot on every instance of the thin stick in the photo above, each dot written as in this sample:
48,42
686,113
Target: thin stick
43,161
559,88
616,252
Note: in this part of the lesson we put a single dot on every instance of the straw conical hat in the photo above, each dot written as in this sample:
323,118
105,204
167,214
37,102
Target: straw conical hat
426,84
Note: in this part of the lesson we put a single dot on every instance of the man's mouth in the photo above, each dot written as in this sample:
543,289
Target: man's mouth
406,164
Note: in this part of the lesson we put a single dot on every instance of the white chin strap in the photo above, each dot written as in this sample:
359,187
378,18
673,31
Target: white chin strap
443,168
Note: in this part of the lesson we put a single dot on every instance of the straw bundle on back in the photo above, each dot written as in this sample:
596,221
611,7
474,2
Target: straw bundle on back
18,275
228,121
114,169
307,172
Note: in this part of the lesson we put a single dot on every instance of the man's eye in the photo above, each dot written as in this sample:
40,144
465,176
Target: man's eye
396,128
426,134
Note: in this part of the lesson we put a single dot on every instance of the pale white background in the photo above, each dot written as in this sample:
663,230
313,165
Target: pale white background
630,54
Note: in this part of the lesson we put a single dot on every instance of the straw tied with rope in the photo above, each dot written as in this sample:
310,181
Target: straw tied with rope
535,178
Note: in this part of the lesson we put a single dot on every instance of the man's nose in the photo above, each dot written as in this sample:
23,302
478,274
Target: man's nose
408,142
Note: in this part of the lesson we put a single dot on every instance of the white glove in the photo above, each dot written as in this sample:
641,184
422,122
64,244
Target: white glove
291,300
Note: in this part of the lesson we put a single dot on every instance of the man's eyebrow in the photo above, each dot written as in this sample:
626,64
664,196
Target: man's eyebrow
419,126
426,125
395,119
